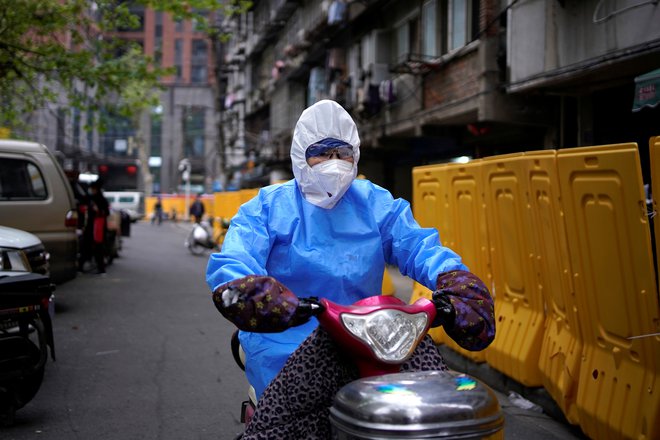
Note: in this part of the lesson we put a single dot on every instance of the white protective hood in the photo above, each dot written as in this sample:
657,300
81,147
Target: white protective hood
325,119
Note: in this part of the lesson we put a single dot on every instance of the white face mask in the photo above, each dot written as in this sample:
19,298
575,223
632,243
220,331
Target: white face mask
334,177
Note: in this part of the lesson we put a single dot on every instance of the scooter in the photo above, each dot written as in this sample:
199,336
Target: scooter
26,308
201,237
379,334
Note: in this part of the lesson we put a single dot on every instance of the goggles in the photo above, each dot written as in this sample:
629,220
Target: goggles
327,152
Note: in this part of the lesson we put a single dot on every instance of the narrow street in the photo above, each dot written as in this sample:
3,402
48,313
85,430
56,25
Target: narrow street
141,353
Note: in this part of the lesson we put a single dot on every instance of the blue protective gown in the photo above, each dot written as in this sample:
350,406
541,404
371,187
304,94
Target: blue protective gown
338,253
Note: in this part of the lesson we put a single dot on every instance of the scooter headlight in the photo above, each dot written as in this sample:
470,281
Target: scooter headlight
393,335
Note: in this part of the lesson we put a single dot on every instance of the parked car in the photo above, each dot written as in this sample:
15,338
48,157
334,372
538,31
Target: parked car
35,196
26,312
21,251
132,202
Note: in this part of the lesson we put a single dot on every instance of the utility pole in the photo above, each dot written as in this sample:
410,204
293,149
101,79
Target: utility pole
220,92
185,168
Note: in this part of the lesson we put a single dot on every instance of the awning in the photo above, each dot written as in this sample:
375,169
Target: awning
647,90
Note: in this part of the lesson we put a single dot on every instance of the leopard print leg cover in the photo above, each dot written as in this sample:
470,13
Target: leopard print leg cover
296,404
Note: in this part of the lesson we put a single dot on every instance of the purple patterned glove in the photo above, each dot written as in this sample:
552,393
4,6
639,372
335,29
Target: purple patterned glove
465,309
260,304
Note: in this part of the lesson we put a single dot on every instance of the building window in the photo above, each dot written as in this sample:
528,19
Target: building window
61,130
463,22
178,25
178,58
199,62
88,127
193,131
156,134
158,39
198,25
115,138
429,29
406,39
76,127
138,12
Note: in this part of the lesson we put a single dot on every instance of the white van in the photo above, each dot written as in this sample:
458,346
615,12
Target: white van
130,201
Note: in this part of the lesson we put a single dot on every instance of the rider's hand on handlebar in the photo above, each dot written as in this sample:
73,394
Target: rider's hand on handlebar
445,312
260,304
465,309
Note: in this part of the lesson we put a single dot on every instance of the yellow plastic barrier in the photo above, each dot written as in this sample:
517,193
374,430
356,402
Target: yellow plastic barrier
226,204
388,287
248,194
430,211
559,360
172,205
429,199
607,227
654,149
469,237
519,308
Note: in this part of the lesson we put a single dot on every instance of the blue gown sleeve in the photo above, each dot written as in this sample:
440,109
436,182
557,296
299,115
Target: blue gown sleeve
246,246
416,251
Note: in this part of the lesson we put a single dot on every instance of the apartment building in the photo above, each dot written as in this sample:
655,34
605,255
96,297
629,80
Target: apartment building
441,80
184,126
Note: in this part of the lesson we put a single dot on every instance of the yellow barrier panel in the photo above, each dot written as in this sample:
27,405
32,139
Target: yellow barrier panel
654,149
607,228
429,201
519,307
248,194
173,206
387,287
559,360
469,236
149,203
226,204
430,211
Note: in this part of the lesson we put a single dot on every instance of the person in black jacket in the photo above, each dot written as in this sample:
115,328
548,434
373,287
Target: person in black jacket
96,227
197,209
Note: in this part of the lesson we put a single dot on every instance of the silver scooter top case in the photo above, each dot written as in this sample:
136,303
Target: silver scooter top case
416,405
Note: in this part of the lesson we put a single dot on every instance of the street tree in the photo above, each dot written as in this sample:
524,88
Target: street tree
54,49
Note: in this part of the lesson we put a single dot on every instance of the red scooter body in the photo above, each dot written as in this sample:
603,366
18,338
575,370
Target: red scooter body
366,359
380,334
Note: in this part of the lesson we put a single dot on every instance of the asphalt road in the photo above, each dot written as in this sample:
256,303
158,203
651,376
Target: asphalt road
141,353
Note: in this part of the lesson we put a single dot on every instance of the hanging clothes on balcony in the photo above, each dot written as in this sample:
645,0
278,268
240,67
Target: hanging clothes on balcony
337,12
387,91
317,85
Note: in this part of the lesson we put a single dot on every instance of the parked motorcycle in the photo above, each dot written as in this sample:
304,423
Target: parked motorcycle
202,237
379,334
26,306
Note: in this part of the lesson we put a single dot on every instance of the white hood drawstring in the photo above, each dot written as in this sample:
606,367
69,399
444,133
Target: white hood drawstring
325,183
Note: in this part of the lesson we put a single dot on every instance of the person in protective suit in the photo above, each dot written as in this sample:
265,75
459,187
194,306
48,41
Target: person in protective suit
327,234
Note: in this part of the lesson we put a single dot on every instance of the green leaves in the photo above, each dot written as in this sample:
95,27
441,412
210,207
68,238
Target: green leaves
55,49
68,48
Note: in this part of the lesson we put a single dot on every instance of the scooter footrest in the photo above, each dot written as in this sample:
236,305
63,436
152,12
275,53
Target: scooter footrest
244,407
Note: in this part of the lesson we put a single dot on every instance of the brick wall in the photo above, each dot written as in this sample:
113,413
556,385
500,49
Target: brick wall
487,13
457,80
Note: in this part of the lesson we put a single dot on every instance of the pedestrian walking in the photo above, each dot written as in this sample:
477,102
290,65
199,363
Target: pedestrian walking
158,212
197,209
